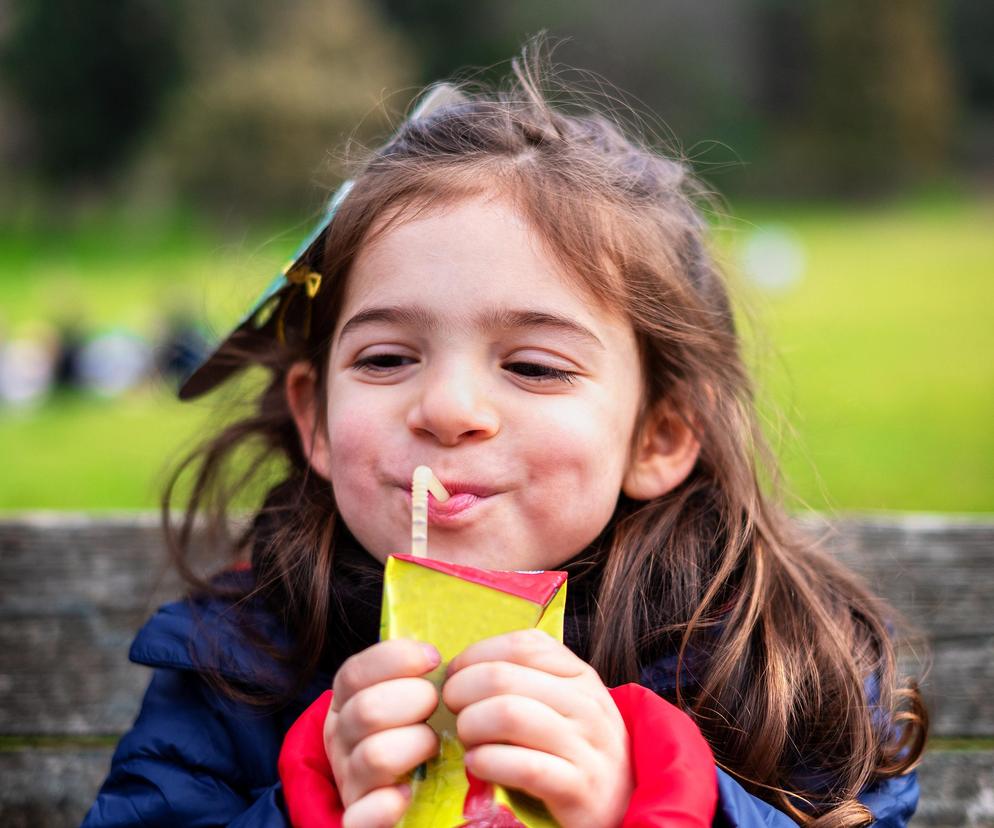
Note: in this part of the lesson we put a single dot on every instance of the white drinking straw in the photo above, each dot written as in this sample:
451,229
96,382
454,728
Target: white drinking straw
422,482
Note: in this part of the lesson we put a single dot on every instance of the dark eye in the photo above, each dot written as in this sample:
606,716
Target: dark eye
382,362
542,373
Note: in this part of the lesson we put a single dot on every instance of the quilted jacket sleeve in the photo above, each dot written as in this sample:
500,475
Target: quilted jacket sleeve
180,764
892,802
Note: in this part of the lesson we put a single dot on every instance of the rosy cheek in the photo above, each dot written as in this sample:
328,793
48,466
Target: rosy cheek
574,442
352,442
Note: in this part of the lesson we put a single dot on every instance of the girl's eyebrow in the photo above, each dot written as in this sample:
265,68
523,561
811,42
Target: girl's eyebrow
422,318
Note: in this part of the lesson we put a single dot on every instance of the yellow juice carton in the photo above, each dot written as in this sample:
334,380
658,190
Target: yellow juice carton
452,606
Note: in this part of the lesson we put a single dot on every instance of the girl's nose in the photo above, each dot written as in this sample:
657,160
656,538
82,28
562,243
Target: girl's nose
453,406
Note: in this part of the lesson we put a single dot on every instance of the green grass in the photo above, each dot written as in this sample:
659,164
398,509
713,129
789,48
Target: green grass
886,358
880,362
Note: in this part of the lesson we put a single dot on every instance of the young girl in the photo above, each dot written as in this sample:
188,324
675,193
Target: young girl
523,300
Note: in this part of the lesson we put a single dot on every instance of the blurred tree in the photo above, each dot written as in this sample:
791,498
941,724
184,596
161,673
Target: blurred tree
859,94
274,87
86,78
771,96
683,68
971,24
450,35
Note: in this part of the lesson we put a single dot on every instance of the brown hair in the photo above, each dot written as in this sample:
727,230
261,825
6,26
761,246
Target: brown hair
798,684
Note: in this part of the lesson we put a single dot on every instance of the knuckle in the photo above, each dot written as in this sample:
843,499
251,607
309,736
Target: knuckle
347,679
347,785
508,715
366,714
372,757
532,775
526,642
589,674
570,793
330,724
332,734
498,677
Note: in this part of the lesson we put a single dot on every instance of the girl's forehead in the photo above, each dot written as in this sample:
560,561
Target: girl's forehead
478,252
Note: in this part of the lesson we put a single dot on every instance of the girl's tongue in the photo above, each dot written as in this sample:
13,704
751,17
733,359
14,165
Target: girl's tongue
455,505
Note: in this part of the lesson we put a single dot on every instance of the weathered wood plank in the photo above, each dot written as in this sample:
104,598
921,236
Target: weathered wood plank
69,674
74,589
957,789
50,788
938,570
73,564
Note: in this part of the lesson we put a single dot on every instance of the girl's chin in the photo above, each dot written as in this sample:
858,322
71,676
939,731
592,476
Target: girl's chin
466,555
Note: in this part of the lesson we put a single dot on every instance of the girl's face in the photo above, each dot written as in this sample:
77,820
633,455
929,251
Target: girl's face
460,346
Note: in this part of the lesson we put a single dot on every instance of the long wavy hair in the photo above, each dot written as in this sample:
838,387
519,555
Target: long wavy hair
798,693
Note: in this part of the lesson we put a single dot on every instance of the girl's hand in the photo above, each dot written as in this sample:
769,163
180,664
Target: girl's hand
533,716
375,731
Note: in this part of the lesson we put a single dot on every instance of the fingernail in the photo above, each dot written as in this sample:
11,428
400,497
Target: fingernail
468,758
405,790
431,654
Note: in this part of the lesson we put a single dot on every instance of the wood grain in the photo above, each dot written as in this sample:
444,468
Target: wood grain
74,590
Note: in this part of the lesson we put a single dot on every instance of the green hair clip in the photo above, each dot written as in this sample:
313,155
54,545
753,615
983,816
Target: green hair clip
266,319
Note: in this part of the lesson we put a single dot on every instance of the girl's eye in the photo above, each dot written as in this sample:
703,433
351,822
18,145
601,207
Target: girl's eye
542,373
382,362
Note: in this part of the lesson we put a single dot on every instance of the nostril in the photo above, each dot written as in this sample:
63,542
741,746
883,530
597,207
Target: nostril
451,424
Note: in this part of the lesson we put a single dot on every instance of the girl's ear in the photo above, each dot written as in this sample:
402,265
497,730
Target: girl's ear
665,455
301,395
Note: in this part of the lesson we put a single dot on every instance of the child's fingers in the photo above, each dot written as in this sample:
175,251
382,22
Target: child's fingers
398,658
497,678
521,721
382,758
550,778
389,704
530,648
381,808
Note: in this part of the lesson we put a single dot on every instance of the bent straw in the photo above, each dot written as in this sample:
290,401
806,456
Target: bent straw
422,482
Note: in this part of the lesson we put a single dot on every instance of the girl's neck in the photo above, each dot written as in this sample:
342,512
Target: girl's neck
357,586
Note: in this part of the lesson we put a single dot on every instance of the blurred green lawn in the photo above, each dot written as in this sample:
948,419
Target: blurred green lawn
880,360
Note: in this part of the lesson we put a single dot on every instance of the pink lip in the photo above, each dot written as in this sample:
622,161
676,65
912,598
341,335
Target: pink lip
439,513
458,487
464,496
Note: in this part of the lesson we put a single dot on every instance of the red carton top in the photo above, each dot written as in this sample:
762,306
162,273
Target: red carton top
537,587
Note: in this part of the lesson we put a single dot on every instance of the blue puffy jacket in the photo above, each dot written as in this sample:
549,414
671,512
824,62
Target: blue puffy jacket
195,758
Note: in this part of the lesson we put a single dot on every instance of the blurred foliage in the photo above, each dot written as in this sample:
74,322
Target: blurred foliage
875,107
275,86
971,31
268,89
88,77
778,97
236,107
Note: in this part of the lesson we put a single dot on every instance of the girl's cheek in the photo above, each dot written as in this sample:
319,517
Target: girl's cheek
355,443
581,441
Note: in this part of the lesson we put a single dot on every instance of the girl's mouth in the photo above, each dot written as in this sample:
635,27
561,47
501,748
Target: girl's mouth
457,509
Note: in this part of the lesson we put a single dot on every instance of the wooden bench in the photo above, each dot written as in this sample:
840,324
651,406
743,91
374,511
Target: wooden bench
74,589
